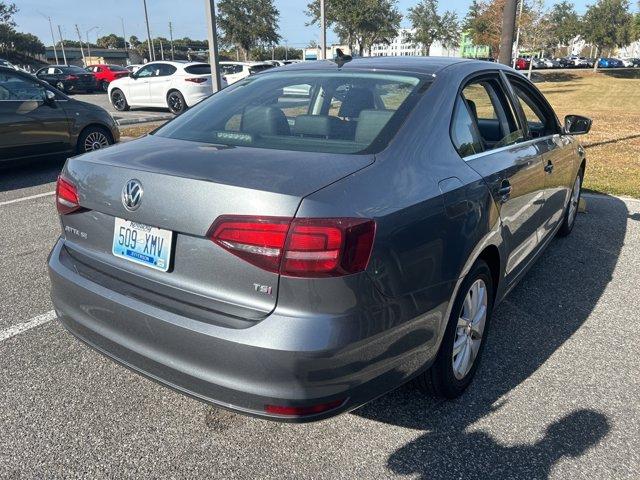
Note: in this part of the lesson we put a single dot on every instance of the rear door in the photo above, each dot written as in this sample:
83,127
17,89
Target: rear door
542,129
28,126
487,133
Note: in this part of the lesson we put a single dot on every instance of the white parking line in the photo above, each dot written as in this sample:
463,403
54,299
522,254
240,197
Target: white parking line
28,325
30,197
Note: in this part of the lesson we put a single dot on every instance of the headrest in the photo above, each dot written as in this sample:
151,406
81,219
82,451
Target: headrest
370,123
314,125
264,121
356,100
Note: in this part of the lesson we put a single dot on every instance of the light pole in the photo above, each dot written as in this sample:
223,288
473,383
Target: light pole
89,43
212,36
124,36
508,26
518,34
152,55
53,38
64,55
323,31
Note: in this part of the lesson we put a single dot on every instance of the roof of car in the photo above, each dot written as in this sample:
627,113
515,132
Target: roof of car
177,63
250,64
420,65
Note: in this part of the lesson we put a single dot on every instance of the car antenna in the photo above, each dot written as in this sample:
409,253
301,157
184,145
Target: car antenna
341,58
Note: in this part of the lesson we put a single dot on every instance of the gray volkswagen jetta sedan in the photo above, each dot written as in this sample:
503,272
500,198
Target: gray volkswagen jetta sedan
315,236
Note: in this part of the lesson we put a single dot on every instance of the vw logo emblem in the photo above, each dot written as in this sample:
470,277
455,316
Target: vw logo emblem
132,195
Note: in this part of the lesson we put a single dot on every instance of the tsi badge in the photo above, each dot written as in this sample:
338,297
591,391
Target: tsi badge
266,289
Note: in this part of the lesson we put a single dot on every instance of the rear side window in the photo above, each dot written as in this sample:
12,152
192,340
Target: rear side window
117,68
201,69
164,70
341,112
463,131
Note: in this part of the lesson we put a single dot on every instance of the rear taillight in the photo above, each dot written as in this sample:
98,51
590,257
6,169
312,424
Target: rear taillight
71,77
196,79
66,196
299,247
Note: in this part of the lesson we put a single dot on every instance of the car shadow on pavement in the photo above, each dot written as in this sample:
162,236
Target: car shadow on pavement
30,173
548,306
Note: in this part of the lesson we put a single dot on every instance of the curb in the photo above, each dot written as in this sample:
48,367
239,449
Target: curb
133,121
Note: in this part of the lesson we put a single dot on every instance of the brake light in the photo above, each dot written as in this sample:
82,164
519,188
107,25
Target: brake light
196,79
71,77
66,196
299,247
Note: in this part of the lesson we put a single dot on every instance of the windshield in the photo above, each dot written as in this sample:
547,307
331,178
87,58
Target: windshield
308,111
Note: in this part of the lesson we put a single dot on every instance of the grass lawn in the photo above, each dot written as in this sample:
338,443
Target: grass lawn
610,97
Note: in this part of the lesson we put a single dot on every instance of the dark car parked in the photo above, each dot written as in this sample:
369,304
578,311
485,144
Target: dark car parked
37,120
68,78
314,236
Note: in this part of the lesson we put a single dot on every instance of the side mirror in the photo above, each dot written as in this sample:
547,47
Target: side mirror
49,98
132,75
576,125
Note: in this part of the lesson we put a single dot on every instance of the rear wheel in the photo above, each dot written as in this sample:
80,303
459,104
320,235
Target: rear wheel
463,341
176,103
118,100
571,212
93,138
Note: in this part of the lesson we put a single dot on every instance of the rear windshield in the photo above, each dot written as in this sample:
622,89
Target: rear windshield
346,112
259,68
73,70
201,69
117,68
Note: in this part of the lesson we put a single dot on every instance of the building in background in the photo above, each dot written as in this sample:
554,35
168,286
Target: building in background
401,47
113,56
468,49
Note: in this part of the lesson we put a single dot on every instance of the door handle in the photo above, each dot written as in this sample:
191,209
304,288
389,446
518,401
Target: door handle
504,191
548,167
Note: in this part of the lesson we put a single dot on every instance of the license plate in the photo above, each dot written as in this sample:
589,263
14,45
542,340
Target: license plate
142,244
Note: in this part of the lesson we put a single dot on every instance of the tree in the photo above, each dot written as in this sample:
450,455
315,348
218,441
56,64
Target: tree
361,23
565,23
430,27
484,23
7,11
110,41
246,24
608,24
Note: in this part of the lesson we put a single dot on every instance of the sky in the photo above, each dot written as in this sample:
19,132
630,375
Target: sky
187,17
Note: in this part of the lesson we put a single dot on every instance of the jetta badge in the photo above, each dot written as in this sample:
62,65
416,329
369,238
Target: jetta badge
132,195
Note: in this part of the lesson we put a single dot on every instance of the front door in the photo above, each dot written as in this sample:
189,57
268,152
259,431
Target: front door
557,149
28,126
138,93
159,84
512,168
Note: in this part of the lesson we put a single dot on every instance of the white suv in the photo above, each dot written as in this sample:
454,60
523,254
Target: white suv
234,71
176,85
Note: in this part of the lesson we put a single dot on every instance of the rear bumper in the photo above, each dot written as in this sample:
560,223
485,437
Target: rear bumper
279,361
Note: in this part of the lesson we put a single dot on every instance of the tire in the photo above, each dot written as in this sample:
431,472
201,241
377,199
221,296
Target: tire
93,138
571,210
118,100
176,103
443,379
104,86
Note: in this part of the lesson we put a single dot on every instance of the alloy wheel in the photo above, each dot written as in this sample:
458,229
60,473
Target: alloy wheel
118,100
575,199
469,330
175,103
95,141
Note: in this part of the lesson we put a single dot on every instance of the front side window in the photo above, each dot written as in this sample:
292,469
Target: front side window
540,120
147,71
304,111
492,114
18,88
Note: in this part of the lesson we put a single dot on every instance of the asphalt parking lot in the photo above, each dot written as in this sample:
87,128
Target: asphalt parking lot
557,395
135,115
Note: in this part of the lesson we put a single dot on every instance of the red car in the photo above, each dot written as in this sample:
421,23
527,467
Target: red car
522,64
105,74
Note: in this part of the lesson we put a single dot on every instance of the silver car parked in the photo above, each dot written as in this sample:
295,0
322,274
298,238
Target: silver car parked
316,235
